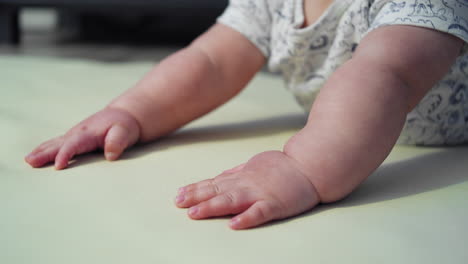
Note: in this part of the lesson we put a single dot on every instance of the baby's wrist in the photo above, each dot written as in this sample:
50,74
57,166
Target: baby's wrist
323,177
306,174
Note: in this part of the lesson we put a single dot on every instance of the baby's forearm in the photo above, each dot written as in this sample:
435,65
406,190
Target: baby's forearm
192,82
361,110
173,93
352,127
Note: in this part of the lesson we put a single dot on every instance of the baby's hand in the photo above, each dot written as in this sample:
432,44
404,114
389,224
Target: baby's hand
110,129
269,186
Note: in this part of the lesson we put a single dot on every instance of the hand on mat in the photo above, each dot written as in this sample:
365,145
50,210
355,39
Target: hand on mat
268,187
111,129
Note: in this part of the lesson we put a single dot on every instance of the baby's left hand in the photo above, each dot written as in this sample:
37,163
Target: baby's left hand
269,186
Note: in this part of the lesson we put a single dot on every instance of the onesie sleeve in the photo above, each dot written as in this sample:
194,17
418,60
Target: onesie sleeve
449,16
252,19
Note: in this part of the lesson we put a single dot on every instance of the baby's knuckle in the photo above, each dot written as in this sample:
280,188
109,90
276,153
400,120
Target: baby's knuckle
214,184
260,212
230,198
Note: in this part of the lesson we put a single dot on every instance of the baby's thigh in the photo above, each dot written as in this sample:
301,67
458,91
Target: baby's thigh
441,118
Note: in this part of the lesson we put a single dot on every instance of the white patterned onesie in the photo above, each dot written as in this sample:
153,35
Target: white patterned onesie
306,57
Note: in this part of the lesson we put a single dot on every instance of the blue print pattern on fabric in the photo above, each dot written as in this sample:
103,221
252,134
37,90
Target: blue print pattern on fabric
450,16
441,118
306,57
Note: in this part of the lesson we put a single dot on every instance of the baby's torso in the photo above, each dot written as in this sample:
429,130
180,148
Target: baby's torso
303,47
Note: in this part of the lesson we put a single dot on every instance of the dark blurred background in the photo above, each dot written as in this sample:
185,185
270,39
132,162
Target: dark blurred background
102,28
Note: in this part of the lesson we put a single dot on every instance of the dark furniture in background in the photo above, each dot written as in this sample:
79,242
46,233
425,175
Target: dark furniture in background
85,14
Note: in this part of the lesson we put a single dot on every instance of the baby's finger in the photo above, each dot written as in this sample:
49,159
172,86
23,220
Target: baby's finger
213,182
65,154
192,187
202,192
117,139
194,197
39,158
74,145
259,213
55,142
228,203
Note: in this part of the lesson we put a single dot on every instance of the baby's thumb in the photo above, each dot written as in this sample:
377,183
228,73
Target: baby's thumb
116,141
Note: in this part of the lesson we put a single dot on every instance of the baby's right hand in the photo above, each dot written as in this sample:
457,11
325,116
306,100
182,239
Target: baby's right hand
110,129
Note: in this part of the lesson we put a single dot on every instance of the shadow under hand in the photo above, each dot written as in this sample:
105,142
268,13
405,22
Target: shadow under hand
412,176
223,132
88,158
402,179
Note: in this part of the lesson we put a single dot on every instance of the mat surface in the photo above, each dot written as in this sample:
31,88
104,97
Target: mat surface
413,209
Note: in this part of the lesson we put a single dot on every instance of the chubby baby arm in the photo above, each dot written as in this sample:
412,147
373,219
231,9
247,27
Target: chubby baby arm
352,127
361,110
181,88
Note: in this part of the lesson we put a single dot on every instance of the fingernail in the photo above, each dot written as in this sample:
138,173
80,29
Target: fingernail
234,223
111,156
179,199
29,156
193,211
181,190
